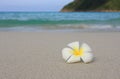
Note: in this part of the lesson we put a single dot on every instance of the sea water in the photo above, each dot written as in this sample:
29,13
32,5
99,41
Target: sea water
37,21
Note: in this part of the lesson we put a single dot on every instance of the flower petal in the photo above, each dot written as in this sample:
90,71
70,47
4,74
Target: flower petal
86,47
74,45
73,59
66,53
87,57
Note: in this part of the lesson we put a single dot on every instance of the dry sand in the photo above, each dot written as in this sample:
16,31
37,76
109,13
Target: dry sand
37,55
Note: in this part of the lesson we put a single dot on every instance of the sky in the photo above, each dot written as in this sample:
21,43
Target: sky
32,5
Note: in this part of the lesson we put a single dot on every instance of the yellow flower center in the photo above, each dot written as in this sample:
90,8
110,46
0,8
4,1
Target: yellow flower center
78,52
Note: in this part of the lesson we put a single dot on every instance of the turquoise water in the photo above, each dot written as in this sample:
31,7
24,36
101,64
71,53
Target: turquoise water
58,20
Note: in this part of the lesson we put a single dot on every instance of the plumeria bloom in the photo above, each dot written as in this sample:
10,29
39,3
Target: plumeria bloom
76,53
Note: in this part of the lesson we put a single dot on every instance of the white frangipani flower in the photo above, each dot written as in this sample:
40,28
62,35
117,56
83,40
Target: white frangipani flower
75,53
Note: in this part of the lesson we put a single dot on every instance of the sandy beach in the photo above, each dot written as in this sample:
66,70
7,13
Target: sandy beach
37,55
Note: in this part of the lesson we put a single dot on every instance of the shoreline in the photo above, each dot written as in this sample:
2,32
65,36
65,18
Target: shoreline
91,11
22,29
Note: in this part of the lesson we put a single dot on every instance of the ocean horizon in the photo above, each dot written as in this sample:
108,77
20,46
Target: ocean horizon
39,21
